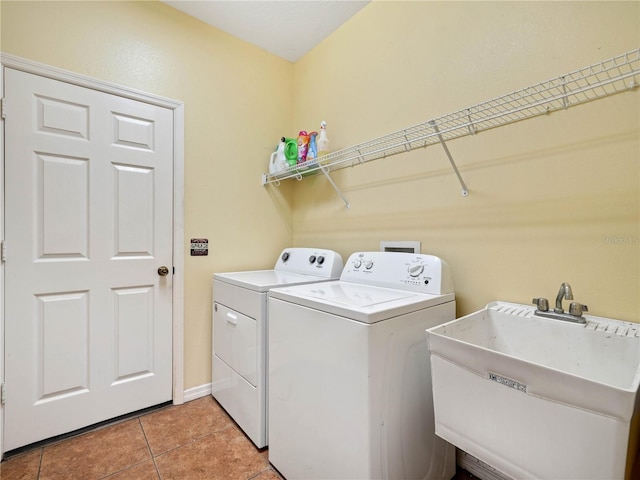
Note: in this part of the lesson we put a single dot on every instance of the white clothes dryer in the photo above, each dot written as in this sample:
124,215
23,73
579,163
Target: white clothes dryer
349,374
240,322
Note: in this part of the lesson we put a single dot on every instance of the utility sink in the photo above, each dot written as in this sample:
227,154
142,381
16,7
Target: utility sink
538,397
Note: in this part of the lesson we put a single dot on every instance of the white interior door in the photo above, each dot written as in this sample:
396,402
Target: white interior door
88,222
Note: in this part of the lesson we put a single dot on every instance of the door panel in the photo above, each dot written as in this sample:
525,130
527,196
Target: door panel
88,320
134,202
61,117
134,329
63,201
61,333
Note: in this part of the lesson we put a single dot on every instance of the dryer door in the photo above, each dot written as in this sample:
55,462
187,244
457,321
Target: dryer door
235,341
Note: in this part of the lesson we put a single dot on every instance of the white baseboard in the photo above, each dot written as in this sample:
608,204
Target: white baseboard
197,392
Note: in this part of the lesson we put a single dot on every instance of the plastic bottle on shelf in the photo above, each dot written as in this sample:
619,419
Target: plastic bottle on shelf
303,146
312,152
291,151
323,141
278,160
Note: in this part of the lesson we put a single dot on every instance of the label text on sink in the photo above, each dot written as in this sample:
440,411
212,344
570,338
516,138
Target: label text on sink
507,382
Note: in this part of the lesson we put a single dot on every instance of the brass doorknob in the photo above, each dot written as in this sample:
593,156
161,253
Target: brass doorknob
163,271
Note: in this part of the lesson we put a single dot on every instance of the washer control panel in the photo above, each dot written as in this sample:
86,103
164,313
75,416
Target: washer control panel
310,261
404,271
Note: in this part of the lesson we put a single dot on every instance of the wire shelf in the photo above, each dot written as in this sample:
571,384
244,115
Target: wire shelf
596,81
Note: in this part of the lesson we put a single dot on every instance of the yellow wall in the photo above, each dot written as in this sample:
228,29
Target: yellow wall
552,199
237,105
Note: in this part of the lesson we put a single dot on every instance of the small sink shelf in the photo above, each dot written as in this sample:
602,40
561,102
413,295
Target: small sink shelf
596,81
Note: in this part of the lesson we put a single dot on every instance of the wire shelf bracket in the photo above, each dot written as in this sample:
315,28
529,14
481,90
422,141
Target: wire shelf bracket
465,190
600,80
325,170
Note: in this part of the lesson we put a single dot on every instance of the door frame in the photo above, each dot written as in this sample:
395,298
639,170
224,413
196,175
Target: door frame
43,70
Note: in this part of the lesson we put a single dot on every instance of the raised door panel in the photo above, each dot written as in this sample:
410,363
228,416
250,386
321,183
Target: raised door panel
63,207
133,333
62,117
134,204
62,352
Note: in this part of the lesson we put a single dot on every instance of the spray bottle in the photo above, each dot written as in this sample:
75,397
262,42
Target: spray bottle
323,141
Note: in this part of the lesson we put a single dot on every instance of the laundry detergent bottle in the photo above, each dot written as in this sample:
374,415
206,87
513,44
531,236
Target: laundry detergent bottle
291,151
278,160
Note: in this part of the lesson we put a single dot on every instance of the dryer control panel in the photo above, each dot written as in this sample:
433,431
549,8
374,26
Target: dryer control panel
403,271
310,261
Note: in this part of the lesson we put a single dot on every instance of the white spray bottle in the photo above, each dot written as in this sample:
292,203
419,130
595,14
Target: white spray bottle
323,141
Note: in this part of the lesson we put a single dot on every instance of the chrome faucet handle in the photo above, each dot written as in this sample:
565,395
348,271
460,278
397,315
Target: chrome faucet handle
541,303
576,309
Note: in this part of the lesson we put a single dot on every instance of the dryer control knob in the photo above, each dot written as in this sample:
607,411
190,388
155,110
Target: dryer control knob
357,264
368,264
415,270
312,259
285,256
320,260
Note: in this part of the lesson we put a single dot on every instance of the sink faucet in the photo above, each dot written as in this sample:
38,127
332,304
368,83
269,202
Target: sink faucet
565,291
575,309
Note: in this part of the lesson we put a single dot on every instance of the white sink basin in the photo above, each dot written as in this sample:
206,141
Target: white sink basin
572,396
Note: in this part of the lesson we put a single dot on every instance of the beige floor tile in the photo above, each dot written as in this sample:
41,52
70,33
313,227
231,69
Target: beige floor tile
224,455
22,467
179,425
96,454
142,471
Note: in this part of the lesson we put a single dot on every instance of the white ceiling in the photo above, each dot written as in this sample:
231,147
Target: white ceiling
286,28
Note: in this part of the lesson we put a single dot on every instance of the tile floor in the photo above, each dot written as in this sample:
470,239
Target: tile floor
194,441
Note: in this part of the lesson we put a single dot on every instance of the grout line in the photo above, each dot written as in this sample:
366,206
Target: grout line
128,467
40,463
153,457
111,474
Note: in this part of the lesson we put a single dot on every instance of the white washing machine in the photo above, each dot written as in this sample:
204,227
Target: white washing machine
349,373
240,321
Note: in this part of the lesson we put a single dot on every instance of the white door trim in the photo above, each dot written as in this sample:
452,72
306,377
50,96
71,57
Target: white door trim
18,63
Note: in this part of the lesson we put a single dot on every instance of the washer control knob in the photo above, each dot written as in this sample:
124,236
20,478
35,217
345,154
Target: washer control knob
320,260
415,270
285,256
312,259
357,264
368,264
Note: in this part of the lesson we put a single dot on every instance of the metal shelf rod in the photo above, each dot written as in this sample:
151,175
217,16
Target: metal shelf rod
465,190
335,187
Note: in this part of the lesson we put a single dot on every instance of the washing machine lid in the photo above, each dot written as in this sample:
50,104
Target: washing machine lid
353,295
364,303
264,280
